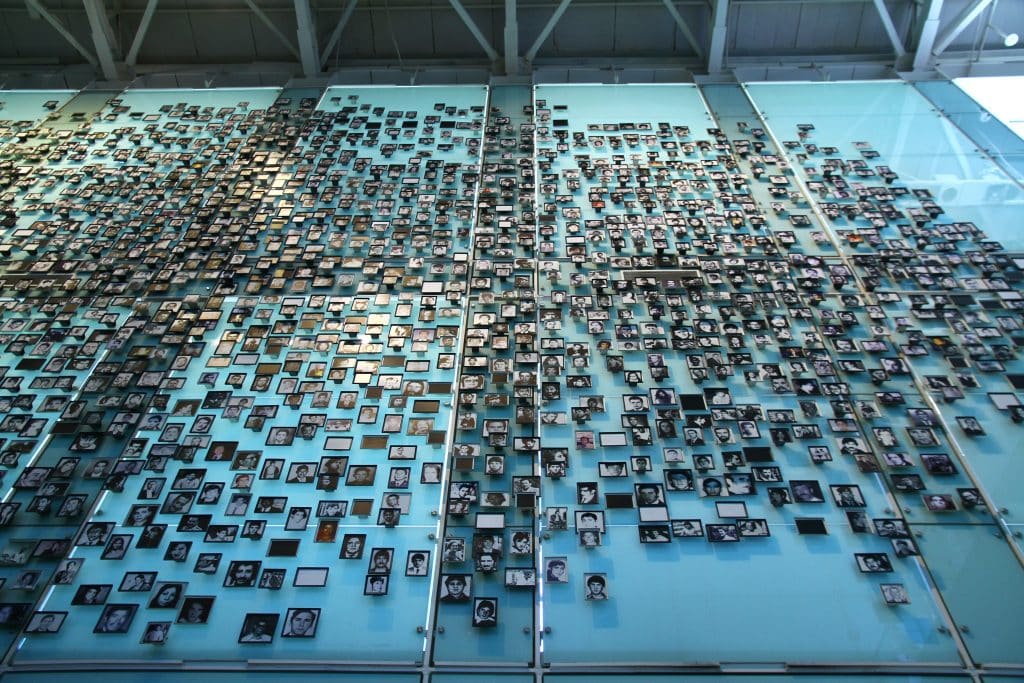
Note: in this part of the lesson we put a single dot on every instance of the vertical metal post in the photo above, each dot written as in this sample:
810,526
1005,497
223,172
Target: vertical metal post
102,38
511,39
306,31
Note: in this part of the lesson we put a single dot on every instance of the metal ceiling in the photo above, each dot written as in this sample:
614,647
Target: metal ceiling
269,42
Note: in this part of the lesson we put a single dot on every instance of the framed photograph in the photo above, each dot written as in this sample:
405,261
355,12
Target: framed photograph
280,436
873,563
485,612
301,622
595,586
47,622
456,587
376,584
687,528
272,579
655,533
137,581
722,533
259,627
520,577
753,528
361,475
847,495
116,618
894,594
310,577
417,563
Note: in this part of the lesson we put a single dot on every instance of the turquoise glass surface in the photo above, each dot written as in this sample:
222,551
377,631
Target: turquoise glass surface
977,574
27,105
923,147
998,135
396,318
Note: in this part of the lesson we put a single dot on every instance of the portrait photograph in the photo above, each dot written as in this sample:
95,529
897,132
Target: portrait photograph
116,618
485,612
376,584
456,587
259,627
873,563
301,622
894,594
46,622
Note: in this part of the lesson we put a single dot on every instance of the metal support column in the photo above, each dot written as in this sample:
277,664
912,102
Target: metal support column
926,39
36,7
305,29
140,33
272,27
492,54
890,29
546,31
511,39
719,30
684,28
336,33
102,38
962,21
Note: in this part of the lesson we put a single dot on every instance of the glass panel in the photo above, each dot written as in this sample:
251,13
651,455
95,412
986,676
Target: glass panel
923,147
220,676
754,678
980,582
29,106
1000,95
993,134
496,412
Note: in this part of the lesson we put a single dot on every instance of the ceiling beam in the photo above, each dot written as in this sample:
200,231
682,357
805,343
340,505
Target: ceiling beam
492,54
546,31
719,32
99,26
957,26
511,39
890,29
684,28
926,38
272,27
305,29
59,28
336,33
140,33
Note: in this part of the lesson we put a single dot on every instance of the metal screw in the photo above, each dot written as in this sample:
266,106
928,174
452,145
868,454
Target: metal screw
526,630
440,629
433,513
964,629
419,629
431,536
942,629
547,629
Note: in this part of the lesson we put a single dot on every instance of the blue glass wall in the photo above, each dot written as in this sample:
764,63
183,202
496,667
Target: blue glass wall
436,381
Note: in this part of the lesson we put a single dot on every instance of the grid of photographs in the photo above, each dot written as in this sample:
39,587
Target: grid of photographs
269,363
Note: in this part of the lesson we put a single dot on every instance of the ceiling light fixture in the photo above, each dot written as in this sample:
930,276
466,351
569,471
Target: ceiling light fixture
1009,39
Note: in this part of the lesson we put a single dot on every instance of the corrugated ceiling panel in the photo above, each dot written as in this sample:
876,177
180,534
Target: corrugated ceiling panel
225,36
169,39
760,28
268,47
34,38
582,31
832,28
453,39
356,39
647,31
